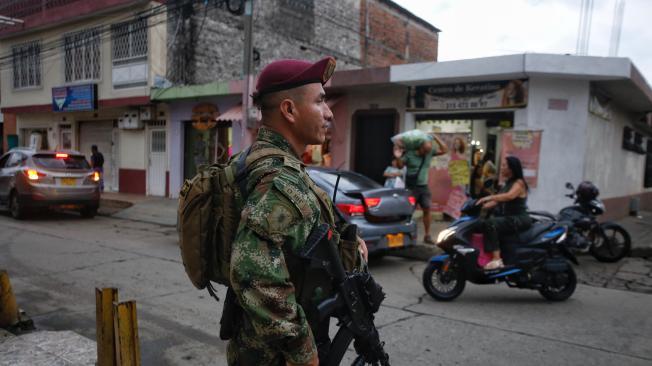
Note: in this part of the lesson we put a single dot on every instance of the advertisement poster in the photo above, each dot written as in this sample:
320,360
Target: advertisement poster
465,96
449,174
74,98
525,145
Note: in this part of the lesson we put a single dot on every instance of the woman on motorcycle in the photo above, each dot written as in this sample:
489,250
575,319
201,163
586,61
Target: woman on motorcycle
510,215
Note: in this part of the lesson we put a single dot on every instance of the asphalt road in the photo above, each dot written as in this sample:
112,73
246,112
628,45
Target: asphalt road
56,260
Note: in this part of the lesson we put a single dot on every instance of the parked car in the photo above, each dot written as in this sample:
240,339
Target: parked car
31,179
383,215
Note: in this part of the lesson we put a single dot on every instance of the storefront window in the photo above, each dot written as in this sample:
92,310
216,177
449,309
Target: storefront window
205,147
319,155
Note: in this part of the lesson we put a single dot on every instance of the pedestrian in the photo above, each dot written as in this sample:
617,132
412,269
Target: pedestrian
417,162
97,163
394,176
277,290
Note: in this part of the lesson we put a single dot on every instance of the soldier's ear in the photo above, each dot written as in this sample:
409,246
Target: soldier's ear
288,110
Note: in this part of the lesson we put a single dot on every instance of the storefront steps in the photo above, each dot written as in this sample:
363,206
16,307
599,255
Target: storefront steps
46,348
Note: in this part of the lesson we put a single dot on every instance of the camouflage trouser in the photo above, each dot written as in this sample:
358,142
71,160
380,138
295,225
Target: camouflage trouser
245,350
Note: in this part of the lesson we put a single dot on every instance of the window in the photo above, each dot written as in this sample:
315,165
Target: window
3,160
129,42
82,55
129,53
50,161
26,59
16,159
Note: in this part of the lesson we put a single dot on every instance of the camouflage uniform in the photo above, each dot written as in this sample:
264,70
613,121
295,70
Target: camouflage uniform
268,280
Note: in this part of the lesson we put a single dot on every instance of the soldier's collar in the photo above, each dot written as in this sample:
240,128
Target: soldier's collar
272,137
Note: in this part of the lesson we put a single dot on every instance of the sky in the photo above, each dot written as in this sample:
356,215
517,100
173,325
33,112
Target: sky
482,28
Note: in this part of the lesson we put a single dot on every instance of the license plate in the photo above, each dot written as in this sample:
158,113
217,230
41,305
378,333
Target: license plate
395,240
68,181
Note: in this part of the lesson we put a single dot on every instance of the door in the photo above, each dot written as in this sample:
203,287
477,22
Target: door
373,147
100,133
157,163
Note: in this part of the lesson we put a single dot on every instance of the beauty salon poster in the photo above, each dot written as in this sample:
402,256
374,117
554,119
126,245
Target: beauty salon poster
525,145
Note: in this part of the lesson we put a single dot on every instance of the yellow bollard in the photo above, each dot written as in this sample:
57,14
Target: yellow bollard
125,325
104,299
8,309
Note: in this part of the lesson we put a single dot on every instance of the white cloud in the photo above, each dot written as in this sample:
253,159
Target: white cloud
481,28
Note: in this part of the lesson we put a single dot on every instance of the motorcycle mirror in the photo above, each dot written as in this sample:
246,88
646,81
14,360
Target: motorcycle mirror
569,185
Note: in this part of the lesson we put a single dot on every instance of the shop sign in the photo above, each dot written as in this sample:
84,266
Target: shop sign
74,98
470,96
526,146
204,116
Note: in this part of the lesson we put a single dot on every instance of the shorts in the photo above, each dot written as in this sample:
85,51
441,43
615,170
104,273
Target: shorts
422,196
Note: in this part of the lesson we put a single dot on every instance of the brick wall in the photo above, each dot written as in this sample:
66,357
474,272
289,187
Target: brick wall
210,48
392,36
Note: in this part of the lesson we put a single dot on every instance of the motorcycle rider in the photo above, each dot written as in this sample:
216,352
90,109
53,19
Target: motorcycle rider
511,214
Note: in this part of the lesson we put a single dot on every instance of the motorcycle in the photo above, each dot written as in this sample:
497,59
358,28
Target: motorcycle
534,259
606,241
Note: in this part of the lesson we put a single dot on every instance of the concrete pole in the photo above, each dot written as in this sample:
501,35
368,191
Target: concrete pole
125,325
106,349
247,77
8,308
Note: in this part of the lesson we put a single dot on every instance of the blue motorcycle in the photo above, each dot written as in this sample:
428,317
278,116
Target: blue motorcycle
534,259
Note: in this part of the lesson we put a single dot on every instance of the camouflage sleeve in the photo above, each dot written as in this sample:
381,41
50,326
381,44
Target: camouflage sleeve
260,277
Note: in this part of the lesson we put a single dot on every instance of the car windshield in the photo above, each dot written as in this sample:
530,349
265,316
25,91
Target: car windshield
51,161
350,181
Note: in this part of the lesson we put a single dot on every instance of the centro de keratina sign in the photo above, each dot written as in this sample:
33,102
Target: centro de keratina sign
465,96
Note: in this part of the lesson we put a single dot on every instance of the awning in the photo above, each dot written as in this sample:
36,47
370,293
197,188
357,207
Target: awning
233,114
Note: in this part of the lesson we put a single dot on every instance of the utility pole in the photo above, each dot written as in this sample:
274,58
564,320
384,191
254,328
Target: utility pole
616,27
247,120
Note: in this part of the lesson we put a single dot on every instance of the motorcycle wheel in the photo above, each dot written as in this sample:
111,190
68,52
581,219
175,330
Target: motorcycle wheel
443,285
560,293
611,245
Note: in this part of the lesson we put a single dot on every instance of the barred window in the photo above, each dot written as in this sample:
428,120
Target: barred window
129,41
82,55
26,59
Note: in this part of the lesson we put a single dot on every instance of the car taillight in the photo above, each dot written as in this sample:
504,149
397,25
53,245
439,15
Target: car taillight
351,209
413,201
61,155
33,174
96,176
372,202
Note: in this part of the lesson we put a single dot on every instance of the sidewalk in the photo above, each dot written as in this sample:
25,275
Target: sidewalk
163,211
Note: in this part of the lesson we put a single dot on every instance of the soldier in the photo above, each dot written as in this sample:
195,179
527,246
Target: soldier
276,290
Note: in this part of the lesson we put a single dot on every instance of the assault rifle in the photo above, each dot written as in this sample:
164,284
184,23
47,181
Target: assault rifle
357,298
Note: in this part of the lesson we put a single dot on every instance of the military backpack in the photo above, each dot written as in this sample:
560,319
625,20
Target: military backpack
209,211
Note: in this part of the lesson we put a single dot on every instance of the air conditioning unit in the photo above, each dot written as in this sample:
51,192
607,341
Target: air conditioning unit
147,113
131,121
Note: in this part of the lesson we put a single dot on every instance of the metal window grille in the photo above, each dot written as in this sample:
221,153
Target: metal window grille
158,141
129,41
82,55
26,60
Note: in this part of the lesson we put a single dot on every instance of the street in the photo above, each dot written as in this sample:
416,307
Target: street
56,260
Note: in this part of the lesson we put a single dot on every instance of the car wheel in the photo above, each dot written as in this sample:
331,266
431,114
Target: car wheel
16,208
89,212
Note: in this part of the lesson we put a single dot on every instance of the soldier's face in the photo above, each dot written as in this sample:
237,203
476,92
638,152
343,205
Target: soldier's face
314,116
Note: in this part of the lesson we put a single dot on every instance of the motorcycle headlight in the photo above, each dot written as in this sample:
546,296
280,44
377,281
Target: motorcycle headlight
445,234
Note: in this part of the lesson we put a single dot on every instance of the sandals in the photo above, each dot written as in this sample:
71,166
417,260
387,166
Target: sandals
494,264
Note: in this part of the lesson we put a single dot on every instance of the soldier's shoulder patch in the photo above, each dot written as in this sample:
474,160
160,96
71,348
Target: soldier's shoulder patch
296,192
272,215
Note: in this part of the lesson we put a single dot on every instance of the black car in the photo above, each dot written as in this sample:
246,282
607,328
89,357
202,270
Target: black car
383,215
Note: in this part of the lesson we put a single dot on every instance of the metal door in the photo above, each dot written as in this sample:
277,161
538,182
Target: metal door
157,163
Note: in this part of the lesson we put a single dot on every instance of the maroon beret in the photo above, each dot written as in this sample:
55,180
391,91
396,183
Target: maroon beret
288,74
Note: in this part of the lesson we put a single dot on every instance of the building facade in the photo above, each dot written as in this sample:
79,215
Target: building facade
205,66
78,73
